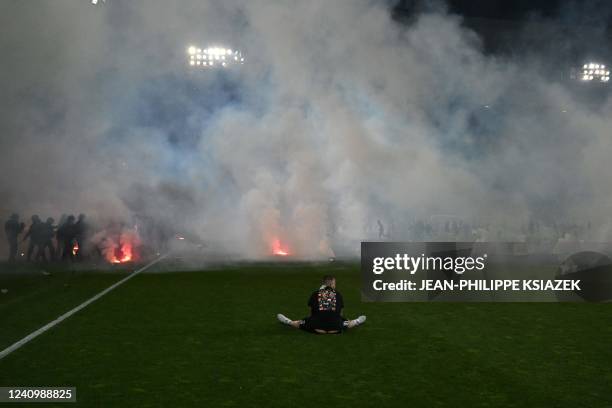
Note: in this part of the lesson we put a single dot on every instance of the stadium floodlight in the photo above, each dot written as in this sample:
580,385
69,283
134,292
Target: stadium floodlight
592,72
205,57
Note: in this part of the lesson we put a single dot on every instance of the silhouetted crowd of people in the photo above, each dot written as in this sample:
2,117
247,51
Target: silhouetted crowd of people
47,241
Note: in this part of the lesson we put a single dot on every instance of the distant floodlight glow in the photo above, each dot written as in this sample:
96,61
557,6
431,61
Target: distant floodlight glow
591,71
205,57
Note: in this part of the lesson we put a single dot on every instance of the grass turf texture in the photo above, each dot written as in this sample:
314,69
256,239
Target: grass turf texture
211,339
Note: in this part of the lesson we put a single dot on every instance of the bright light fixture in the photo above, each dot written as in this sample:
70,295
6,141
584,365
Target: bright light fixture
592,71
226,57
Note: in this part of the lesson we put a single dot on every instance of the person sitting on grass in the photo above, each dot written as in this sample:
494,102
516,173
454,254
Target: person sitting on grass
325,312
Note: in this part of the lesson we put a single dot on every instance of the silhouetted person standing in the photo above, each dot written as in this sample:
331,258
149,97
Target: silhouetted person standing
12,229
34,233
66,236
81,232
47,232
58,238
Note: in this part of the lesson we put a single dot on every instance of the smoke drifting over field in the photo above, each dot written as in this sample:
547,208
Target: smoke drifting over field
339,117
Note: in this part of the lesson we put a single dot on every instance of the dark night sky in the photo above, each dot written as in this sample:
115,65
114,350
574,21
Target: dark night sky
517,10
504,9
492,9
581,28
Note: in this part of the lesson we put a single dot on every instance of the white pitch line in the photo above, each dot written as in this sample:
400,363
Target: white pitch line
66,315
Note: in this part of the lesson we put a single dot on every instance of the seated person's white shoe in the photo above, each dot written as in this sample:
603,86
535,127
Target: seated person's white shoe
283,319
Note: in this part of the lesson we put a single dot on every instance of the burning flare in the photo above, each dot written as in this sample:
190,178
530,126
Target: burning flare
122,253
278,249
118,244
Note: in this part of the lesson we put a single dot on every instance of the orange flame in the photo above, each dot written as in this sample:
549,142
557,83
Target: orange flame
118,244
75,249
122,253
278,249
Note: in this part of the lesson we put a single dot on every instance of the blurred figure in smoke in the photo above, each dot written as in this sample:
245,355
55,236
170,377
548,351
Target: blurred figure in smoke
66,237
35,234
62,220
81,232
47,232
381,229
12,229
58,238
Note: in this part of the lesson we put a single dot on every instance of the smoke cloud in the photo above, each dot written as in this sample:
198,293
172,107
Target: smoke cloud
340,116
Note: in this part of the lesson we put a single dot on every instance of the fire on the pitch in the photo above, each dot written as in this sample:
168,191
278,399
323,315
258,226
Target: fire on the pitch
118,245
124,252
278,249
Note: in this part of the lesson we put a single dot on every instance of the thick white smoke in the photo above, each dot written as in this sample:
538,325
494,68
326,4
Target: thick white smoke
340,116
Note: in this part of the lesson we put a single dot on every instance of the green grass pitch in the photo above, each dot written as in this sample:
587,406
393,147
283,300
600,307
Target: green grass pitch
210,338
